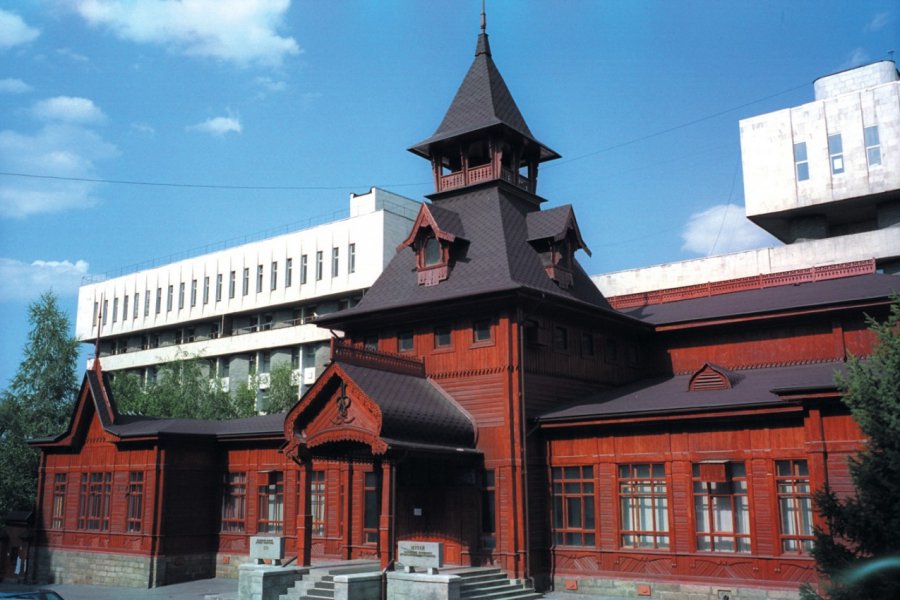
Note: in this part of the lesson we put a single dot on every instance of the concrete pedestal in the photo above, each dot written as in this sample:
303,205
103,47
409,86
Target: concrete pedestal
266,582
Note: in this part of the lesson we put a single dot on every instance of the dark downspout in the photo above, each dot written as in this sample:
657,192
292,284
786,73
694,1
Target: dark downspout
523,432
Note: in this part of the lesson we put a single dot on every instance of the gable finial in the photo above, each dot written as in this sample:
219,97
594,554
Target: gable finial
483,18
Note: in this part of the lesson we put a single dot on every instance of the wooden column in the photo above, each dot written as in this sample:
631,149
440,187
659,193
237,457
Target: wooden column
346,507
386,519
304,516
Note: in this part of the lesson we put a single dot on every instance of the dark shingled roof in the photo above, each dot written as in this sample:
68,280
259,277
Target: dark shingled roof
671,395
447,220
138,426
497,258
414,409
550,223
130,426
482,101
818,293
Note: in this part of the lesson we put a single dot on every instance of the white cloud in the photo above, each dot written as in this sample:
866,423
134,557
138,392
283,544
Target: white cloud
218,126
878,22
14,31
13,86
857,56
68,109
269,85
26,281
238,31
723,229
144,129
72,55
56,150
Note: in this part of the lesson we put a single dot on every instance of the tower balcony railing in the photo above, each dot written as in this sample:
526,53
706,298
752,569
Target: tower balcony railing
473,175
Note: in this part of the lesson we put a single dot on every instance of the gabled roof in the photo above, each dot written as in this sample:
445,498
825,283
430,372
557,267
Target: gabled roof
766,300
496,258
444,223
671,395
482,101
377,406
554,223
95,400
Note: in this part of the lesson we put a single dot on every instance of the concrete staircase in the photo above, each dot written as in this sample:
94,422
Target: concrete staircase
318,584
488,583
478,583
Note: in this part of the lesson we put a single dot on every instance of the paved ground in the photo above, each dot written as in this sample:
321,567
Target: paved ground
204,589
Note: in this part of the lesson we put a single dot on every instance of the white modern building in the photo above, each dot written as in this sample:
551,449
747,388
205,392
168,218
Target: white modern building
247,308
823,177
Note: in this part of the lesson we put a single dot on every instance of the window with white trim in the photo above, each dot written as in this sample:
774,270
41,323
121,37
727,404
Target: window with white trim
873,145
643,506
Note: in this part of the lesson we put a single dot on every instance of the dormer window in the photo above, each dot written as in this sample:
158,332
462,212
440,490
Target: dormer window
431,253
555,236
432,238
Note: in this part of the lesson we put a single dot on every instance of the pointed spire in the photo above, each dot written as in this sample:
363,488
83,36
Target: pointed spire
483,47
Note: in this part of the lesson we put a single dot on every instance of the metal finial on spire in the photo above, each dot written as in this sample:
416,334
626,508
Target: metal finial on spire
483,18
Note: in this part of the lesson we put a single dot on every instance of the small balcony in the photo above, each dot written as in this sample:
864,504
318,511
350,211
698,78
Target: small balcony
481,173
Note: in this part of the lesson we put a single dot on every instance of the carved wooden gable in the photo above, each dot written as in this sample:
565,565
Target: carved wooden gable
334,410
432,244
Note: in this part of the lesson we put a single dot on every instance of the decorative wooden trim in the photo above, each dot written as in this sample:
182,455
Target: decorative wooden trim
343,351
712,377
743,284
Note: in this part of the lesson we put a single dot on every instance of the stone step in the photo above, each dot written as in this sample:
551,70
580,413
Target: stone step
510,593
484,584
486,579
474,571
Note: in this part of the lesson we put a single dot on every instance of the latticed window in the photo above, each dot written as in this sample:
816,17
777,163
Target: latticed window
234,500
317,502
58,514
93,505
643,506
135,500
721,510
573,505
794,505
271,503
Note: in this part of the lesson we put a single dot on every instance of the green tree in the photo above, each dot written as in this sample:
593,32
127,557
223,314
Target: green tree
183,389
859,552
282,393
39,400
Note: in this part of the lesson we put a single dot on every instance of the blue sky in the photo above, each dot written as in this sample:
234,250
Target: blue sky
321,99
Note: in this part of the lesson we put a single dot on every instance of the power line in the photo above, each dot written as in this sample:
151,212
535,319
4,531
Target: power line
673,128
214,186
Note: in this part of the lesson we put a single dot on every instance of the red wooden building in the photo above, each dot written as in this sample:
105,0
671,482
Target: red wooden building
486,395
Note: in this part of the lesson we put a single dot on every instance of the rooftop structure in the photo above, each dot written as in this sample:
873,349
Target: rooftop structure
823,177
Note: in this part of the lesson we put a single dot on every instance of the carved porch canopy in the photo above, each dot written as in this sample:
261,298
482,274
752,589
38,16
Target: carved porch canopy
373,402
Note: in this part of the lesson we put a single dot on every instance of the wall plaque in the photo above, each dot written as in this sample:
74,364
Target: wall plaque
266,547
412,553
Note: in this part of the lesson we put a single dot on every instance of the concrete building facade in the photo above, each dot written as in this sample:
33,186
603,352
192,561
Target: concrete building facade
247,308
823,177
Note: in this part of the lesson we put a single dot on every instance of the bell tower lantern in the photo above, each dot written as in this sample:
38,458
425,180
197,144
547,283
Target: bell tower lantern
483,136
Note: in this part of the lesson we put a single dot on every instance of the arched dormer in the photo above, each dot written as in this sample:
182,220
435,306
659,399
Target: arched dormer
432,238
712,377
